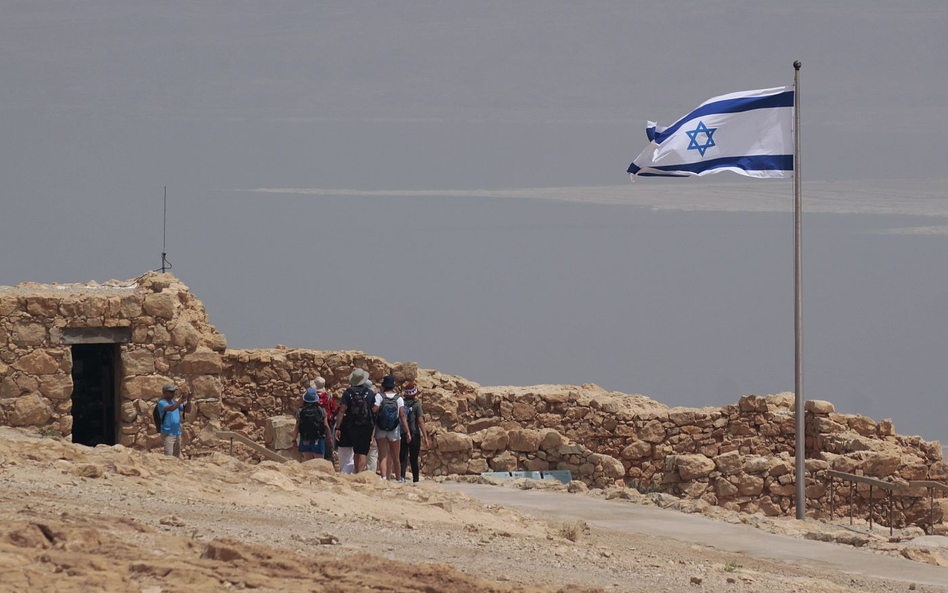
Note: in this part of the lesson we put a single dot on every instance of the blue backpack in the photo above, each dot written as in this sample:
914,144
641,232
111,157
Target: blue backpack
387,419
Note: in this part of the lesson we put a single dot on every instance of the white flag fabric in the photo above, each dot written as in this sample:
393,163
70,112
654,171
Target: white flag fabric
749,133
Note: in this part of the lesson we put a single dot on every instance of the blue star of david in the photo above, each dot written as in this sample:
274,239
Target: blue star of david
693,134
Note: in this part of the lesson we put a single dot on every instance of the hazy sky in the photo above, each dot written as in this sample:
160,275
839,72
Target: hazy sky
413,136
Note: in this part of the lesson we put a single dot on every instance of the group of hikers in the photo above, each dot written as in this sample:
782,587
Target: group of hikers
376,431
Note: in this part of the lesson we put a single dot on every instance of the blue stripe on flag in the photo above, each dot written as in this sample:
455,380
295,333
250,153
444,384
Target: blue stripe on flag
763,162
650,132
784,99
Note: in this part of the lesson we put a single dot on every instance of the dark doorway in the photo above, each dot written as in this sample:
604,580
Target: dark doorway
93,394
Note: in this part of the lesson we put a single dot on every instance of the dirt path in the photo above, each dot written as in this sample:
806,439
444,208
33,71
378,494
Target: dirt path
700,530
112,519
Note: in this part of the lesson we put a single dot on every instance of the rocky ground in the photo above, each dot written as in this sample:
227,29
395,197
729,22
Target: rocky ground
114,519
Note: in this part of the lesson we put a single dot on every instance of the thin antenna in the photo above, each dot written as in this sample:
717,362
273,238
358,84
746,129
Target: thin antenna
165,264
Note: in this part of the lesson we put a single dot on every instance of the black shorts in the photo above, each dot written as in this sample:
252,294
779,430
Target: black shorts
361,438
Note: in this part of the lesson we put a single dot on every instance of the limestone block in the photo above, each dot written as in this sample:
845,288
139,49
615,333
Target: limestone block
750,485
729,463
505,462
129,412
862,425
550,439
682,418
405,372
160,305
825,425
769,508
8,304
882,464
494,439
278,432
9,388
37,362
185,335
56,387
723,488
523,412
138,362
477,466
40,306
130,307
65,425
94,306
217,342
29,410
691,467
637,450
611,466
653,432
144,387
202,362
886,428
29,334
818,406
536,465
207,386
524,440
450,442
27,383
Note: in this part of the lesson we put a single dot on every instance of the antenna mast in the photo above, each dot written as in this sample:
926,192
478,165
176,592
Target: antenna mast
165,264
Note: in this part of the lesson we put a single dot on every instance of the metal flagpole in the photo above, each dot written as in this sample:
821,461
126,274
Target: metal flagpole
800,474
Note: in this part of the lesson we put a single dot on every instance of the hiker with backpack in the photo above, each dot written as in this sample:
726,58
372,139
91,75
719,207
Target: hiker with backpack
356,417
167,416
411,439
328,404
390,423
312,425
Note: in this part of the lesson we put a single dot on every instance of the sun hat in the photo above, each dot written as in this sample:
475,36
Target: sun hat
358,377
411,390
319,383
310,396
388,382
169,387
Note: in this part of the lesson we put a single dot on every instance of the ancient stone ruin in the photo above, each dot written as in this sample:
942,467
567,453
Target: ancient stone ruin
88,361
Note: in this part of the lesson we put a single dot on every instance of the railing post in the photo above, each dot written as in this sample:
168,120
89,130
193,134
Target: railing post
890,514
231,446
852,500
870,507
832,500
931,495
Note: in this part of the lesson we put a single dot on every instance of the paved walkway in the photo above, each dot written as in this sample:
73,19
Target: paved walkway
631,518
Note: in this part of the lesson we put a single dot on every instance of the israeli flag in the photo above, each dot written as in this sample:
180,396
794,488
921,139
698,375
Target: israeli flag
749,133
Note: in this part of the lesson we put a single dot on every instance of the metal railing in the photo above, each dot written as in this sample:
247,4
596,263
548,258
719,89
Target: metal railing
931,486
243,440
853,479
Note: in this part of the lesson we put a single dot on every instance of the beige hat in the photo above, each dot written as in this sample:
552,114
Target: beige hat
358,377
319,383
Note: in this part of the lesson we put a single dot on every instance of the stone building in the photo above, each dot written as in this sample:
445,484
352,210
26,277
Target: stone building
88,361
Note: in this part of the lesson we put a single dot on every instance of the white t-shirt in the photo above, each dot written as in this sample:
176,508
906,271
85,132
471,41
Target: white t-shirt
378,399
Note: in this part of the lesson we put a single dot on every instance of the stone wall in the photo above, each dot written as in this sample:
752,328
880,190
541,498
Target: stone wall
169,340
739,456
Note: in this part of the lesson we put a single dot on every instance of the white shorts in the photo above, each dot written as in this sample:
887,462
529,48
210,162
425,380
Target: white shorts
392,435
346,460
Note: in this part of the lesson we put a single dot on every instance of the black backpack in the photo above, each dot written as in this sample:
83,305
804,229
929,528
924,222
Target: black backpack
312,422
388,413
358,411
159,417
